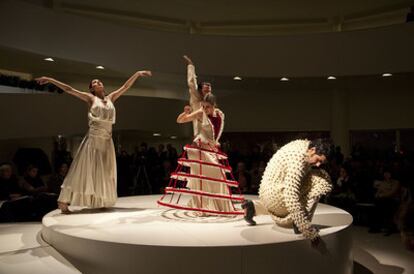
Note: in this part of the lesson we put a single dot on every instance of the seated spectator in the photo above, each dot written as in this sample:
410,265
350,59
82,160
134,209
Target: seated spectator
9,188
31,182
55,181
343,192
387,200
32,185
14,205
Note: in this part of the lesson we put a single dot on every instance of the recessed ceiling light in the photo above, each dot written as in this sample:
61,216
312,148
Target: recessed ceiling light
173,137
156,134
49,59
284,79
237,78
387,74
100,67
331,77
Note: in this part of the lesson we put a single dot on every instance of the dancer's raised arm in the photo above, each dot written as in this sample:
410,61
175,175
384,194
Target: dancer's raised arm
188,116
87,97
113,96
192,82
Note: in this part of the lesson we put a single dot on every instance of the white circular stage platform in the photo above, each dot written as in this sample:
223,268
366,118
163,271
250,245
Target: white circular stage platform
137,236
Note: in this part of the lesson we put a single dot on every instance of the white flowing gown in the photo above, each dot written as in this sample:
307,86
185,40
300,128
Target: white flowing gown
91,180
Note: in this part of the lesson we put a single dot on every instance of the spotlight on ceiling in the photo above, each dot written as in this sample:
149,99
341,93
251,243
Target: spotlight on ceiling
237,78
49,59
387,74
173,137
284,79
156,134
100,67
331,77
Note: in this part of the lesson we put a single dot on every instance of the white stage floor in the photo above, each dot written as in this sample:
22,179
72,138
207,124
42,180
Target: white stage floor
138,236
22,251
138,220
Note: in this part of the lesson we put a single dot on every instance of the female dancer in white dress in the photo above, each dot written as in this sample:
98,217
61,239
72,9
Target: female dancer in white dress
206,180
91,180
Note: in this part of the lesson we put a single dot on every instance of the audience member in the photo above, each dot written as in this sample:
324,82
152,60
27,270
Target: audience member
14,204
387,200
55,181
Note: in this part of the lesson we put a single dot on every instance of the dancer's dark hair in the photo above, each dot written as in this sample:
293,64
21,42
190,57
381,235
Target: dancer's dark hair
90,87
210,98
322,146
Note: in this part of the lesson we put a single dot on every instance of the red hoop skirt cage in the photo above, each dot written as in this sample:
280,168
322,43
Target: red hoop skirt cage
204,173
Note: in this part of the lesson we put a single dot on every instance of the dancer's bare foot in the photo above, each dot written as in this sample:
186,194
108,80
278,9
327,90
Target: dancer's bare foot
64,208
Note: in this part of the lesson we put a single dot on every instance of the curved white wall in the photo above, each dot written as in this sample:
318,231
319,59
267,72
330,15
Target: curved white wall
39,115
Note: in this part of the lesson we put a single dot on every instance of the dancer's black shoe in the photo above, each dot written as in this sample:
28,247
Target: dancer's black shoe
248,206
296,229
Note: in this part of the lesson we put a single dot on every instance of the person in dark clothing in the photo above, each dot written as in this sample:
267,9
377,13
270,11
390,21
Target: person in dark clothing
124,173
32,185
343,193
387,201
14,205
55,181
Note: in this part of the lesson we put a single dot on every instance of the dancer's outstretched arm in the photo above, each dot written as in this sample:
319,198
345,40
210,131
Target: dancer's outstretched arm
113,96
192,82
188,116
87,97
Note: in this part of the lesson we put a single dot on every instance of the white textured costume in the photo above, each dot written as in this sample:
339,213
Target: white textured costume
290,188
91,180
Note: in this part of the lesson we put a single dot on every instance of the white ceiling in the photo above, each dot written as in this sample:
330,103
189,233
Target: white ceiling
68,31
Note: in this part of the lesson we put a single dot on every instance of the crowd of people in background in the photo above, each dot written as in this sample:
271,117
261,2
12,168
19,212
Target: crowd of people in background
375,187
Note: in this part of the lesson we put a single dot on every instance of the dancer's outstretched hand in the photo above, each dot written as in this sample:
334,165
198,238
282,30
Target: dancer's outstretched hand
145,73
43,80
187,109
188,60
